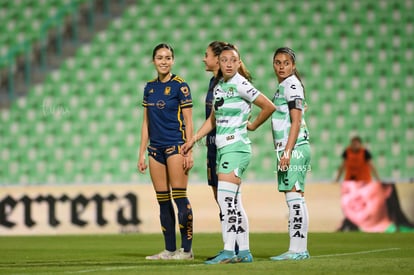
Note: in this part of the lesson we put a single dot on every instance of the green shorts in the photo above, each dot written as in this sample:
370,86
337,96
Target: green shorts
296,173
234,158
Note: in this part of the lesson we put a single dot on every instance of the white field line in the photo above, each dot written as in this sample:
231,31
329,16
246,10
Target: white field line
318,256
356,253
101,269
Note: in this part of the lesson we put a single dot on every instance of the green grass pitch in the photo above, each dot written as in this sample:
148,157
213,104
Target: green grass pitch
331,253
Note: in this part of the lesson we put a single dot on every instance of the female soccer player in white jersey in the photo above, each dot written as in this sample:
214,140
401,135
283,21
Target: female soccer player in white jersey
290,136
233,95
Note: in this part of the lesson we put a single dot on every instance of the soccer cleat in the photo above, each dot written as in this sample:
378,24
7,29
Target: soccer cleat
212,257
291,256
236,249
243,257
181,255
224,257
164,255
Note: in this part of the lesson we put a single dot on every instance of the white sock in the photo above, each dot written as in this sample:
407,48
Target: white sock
298,222
226,196
243,224
304,246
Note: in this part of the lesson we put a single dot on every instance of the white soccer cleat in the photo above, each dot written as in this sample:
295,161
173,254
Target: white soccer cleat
291,256
181,255
164,255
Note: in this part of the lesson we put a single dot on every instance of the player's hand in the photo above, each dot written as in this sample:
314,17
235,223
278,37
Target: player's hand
284,162
142,166
188,162
250,126
186,147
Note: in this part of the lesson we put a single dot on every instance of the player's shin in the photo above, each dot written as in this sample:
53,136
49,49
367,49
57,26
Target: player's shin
298,222
167,219
243,224
226,195
185,217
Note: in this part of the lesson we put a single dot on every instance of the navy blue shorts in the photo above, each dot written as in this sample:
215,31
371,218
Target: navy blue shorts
211,165
161,154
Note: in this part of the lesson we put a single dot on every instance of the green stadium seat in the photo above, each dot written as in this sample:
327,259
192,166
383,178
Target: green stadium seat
348,92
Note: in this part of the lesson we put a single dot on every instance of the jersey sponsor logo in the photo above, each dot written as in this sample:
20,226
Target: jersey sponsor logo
222,121
167,90
151,91
230,137
160,104
225,165
253,91
216,91
185,90
218,103
244,83
293,87
170,150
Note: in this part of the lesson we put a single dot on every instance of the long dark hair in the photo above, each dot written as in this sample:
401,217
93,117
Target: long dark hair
242,70
292,55
217,46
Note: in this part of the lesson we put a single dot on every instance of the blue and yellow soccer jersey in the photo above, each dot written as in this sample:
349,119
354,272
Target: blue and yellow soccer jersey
164,103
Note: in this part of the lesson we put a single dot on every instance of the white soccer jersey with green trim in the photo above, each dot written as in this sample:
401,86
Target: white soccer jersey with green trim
289,90
232,105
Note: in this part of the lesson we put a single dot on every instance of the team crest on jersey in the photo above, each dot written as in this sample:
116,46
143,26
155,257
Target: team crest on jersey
160,104
185,90
230,91
167,90
151,91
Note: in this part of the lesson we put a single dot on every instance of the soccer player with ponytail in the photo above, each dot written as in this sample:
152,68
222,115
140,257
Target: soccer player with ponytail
233,95
290,136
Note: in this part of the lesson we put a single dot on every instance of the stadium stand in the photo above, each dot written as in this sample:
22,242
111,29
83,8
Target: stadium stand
82,124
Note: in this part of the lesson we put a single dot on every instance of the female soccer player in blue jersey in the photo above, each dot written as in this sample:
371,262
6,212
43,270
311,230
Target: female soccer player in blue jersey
167,124
290,136
233,95
212,65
